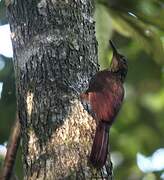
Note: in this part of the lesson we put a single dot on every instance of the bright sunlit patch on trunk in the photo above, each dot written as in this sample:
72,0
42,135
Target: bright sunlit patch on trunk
29,102
33,149
5,41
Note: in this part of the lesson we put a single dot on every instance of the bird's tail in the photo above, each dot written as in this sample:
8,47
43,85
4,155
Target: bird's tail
99,150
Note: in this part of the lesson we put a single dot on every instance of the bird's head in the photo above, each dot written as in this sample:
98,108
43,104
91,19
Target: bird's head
119,62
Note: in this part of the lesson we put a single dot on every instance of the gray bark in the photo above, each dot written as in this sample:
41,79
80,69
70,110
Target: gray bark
55,54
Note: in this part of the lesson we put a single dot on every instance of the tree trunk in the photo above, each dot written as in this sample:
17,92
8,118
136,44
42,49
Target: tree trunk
55,54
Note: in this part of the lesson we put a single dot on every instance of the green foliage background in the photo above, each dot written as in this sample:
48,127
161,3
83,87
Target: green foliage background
137,28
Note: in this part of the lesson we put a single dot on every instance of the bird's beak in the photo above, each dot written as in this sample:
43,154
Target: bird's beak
113,48
115,58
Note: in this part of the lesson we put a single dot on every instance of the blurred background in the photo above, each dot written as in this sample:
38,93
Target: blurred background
137,137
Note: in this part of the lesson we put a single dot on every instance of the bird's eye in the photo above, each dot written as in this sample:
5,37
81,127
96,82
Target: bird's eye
124,62
123,59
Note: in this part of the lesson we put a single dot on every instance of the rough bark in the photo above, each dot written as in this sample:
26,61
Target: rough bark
55,54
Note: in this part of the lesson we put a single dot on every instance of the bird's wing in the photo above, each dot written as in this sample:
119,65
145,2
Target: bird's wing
106,103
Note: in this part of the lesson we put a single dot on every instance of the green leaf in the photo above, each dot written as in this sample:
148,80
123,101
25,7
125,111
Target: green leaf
155,102
157,20
104,31
146,35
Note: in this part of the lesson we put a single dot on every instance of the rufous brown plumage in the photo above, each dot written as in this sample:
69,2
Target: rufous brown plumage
104,98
